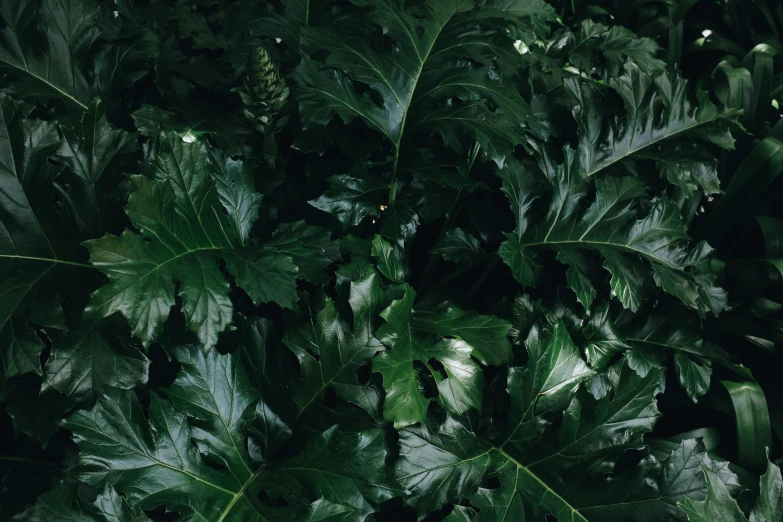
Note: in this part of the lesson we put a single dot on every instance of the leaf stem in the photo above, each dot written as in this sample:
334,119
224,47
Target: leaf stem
47,260
26,460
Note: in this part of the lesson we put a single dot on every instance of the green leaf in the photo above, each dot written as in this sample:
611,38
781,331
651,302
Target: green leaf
603,338
554,371
441,463
27,252
719,506
404,403
519,259
162,460
415,85
578,275
62,501
186,227
460,246
754,433
564,471
310,247
34,246
236,191
346,469
617,45
352,199
670,331
694,374
388,264
657,110
460,385
487,335
55,65
769,505
21,352
329,350
91,151
399,224
606,224
83,363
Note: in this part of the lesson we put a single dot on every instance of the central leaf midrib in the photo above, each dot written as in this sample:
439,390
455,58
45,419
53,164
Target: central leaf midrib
158,267
52,260
598,244
666,346
239,494
327,382
601,166
236,495
406,109
535,477
42,80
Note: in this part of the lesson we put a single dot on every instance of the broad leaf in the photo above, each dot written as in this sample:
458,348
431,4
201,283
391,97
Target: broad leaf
329,349
33,246
657,111
486,335
310,247
565,472
83,363
651,335
610,225
91,150
617,45
55,65
388,264
61,503
459,385
416,82
460,246
351,199
186,226
162,460
719,506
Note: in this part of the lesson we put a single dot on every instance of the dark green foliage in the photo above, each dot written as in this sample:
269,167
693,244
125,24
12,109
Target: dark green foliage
374,260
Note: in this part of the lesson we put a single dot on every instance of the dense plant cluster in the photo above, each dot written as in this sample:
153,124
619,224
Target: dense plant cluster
355,260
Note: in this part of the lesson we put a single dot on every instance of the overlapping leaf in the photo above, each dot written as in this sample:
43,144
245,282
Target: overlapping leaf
559,454
62,501
612,225
434,76
55,65
189,218
405,403
207,416
83,363
660,123
330,350
719,506
92,151
32,245
487,406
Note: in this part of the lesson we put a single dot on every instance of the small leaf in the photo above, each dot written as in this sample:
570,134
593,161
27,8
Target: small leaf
351,199
388,264
459,246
